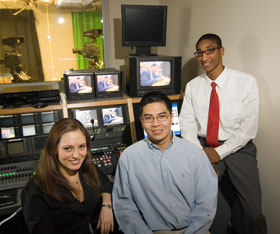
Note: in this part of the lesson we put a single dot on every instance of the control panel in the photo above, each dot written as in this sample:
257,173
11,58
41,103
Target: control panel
106,157
16,175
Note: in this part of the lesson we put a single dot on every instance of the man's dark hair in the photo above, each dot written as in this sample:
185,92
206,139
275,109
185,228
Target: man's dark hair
152,97
211,37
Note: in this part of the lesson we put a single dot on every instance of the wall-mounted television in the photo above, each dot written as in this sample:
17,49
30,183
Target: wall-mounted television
108,83
79,84
148,73
143,26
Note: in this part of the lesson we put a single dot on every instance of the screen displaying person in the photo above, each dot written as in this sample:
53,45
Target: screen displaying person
163,184
104,83
78,84
63,194
151,73
220,115
113,115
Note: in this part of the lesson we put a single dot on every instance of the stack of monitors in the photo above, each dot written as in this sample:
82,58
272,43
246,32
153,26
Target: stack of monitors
27,124
89,84
25,134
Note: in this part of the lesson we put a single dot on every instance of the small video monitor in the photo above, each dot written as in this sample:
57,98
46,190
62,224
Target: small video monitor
85,117
28,130
47,127
39,142
155,73
108,83
6,120
8,132
47,117
27,119
112,116
15,148
175,123
80,84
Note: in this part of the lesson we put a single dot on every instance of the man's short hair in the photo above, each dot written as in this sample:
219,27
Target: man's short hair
211,37
152,97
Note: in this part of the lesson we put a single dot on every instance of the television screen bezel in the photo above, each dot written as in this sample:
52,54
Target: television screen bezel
153,62
113,124
105,94
147,43
79,96
74,114
136,90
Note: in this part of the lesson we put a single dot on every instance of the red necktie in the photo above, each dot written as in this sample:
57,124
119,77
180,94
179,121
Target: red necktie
213,118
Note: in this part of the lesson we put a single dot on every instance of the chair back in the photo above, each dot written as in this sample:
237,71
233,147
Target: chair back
14,224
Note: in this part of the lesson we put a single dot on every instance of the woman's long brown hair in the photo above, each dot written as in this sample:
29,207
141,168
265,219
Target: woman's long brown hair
48,176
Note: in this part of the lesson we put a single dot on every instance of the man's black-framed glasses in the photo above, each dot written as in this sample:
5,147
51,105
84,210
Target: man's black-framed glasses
150,118
200,53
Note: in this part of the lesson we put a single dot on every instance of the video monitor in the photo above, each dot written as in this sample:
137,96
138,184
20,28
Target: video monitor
107,82
28,130
80,84
85,116
47,127
112,116
15,148
6,120
175,123
47,117
8,132
27,119
155,73
39,142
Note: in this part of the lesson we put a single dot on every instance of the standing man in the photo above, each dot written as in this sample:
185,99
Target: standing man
163,184
223,121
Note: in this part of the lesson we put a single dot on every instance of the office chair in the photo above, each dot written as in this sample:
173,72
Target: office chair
14,224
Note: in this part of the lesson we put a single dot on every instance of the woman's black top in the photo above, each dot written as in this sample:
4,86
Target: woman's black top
45,215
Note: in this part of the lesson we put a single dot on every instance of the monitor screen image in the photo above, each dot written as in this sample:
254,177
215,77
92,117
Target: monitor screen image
175,123
6,120
155,73
28,130
47,117
27,118
112,115
47,127
143,25
8,132
15,148
80,84
107,83
85,117
39,142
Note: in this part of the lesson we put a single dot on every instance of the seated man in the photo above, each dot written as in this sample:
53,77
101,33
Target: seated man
163,183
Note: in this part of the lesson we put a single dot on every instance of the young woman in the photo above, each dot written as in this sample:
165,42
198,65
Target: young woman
67,187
